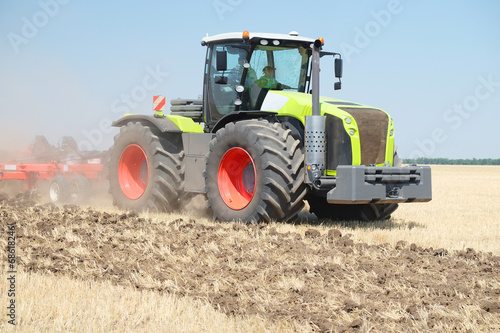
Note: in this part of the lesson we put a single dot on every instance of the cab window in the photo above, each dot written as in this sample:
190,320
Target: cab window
223,95
290,63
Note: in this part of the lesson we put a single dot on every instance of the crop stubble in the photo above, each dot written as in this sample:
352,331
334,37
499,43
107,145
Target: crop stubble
318,279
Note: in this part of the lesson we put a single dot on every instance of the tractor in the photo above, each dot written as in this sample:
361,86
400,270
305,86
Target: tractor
259,146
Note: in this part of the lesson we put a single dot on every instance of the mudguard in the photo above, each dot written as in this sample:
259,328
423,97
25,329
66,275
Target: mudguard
163,124
170,123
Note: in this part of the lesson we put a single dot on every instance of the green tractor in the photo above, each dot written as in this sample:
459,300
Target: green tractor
261,141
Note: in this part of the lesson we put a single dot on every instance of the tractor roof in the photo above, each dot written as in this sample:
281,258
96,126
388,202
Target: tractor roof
238,36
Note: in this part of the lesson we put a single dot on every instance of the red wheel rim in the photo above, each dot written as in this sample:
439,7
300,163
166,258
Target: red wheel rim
236,178
133,172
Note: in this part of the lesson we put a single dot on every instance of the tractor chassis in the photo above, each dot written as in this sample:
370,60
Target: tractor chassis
357,184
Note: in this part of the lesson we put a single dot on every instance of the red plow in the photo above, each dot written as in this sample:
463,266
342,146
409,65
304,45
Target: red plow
71,175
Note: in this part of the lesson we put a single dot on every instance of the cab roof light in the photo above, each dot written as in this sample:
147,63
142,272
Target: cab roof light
246,34
322,40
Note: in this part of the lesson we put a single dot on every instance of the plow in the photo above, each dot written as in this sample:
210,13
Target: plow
62,174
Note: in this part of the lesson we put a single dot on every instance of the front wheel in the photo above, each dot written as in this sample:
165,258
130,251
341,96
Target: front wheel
255,172
145,169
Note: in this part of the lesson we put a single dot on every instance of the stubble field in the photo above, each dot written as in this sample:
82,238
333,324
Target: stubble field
432,267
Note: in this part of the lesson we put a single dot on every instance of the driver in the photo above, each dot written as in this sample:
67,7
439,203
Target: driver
268,81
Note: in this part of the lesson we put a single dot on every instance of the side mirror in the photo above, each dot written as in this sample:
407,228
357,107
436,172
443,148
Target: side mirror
221,61
337,85
338,68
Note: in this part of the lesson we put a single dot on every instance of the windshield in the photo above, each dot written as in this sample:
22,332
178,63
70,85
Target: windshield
284,67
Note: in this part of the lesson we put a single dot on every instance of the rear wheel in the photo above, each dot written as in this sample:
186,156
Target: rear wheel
145,169
79,189
362,212
59,189
255,172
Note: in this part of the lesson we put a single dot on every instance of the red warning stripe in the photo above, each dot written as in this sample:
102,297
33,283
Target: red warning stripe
159,103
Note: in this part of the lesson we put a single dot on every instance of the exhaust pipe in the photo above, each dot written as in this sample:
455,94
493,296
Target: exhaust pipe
315,136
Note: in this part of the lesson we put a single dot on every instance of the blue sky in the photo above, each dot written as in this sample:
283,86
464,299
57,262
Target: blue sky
69,67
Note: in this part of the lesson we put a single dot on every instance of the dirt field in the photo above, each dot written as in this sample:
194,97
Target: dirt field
88,269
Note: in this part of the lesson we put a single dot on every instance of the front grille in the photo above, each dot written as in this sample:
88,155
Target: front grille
372,126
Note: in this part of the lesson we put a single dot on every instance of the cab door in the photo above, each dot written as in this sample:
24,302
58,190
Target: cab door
220,92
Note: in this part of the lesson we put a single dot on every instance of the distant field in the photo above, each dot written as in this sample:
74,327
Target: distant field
101,270
464,211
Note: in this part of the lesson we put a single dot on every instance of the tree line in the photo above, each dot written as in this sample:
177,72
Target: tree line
448,161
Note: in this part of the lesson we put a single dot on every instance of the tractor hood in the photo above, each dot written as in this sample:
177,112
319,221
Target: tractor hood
299,105
366,133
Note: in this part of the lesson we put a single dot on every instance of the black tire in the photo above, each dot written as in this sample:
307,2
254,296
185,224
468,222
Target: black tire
155,176
278,173
362,212
59,189
397,162
79,189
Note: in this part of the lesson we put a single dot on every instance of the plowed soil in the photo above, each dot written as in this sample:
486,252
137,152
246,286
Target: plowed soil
319,277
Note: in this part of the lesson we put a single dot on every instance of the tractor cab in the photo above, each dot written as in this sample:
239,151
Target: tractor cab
241,69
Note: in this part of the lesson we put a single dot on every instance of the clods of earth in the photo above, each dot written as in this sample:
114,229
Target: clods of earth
319,277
